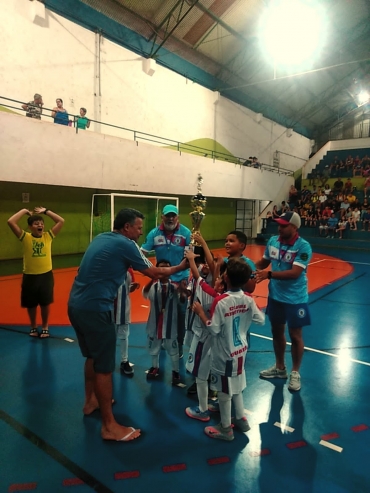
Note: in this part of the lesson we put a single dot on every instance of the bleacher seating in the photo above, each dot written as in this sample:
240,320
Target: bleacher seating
342,155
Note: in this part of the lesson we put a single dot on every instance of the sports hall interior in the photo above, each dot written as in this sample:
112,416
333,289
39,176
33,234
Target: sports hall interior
164,115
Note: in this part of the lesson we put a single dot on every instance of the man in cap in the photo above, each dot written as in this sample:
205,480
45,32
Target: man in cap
34,108
169,240
289,256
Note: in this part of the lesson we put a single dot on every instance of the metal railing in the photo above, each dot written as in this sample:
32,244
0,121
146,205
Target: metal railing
163,141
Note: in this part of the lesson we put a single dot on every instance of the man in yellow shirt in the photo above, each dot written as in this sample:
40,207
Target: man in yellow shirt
38,280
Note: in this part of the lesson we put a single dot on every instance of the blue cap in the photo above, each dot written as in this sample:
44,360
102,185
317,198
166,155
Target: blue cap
170,209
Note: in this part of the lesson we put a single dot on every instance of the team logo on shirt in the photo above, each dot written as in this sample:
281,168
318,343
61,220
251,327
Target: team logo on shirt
288,257
301,313
190,358
304,256
214,378
159,240
177,240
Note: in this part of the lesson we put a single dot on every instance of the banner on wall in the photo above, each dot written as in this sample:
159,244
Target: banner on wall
276,159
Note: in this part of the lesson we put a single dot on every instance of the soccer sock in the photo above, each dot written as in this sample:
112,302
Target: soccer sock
202,391
175,362
155,361
225,409
124,349
238,405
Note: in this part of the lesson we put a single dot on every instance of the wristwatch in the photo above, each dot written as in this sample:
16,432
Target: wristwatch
269,274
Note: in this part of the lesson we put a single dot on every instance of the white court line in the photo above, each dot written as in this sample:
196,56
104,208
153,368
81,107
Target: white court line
330,445
318,261
68,339
248,412
317,351
284,427
343,261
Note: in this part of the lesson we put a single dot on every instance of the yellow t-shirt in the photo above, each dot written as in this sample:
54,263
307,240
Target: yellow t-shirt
37,252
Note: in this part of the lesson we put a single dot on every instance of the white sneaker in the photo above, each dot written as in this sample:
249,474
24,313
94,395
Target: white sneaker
294,381
273,372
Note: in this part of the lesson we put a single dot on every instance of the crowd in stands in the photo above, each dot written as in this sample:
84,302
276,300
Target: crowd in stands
59,113
351,166
331,210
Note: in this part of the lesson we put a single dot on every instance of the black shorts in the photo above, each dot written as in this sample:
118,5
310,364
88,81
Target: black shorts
96,334
37,289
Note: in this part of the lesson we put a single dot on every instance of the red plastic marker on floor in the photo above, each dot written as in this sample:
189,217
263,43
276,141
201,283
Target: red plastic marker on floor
359,428
72,482
126,475
174,468
218,460
22,487
294,445
329,436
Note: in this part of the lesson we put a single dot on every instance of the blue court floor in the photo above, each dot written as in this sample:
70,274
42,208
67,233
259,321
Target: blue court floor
313,441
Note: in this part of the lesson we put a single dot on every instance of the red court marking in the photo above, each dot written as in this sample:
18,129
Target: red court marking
294,445
218,460
260,453
22,486
324,269
174,468
126,475
329,436
72,482
359,428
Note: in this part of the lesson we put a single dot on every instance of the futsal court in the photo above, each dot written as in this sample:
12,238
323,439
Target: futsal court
315,440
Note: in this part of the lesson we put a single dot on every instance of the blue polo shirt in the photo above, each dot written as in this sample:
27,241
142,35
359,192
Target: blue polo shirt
169,247
103,270
283,256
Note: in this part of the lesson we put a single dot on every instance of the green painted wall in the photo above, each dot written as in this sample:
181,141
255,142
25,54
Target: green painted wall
74,204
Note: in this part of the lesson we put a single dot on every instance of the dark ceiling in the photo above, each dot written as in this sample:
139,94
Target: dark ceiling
219,41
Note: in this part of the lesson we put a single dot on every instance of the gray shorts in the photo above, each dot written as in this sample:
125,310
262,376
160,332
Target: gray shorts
96,334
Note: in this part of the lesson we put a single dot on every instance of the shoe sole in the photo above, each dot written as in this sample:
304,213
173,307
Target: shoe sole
274,376
204,420
293,389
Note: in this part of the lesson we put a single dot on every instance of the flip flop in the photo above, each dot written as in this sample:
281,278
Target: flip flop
44,334
126,437
34,332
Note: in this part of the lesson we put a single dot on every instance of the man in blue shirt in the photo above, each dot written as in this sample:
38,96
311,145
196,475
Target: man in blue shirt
169,240
289,256
102,271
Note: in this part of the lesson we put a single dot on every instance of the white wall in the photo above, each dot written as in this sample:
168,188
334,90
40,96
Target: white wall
35,151
43,52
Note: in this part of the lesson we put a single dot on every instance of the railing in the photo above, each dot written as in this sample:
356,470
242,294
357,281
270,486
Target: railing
169,143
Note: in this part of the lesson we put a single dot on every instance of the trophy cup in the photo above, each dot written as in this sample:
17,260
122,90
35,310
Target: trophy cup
198,203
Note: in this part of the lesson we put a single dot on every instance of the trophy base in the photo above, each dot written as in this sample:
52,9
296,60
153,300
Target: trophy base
198,250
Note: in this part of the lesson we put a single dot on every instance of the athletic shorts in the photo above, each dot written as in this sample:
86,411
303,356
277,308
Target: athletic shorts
96,334
37,289
281,313
199,358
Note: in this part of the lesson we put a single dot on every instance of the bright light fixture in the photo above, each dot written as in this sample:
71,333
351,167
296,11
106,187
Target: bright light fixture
292,31
363,97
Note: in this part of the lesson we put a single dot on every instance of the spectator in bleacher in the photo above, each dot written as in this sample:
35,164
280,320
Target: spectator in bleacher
340,197
338,186
355,218
344,206
349,163
332,225
275,212
255,163
60,114
351,198
327,190
82,123
365,203
366,220
348,187
325,174
357,166
314,198
323,226
327,212
34,108
342,226
293,196
366,185
284,207
305,193
322,199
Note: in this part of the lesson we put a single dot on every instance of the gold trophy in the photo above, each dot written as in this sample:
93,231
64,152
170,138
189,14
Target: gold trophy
198,202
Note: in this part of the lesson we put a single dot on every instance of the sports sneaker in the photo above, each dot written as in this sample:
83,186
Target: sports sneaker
218,431
192,389
294,381
214,406
126,368
274,372
153,373
176,378
196,413
242,424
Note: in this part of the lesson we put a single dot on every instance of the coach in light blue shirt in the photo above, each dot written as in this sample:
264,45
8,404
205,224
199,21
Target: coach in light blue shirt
289,256
169,240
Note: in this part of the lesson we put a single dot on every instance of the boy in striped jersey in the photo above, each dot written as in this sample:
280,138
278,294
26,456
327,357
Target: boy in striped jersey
162,322
231,316
123,318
